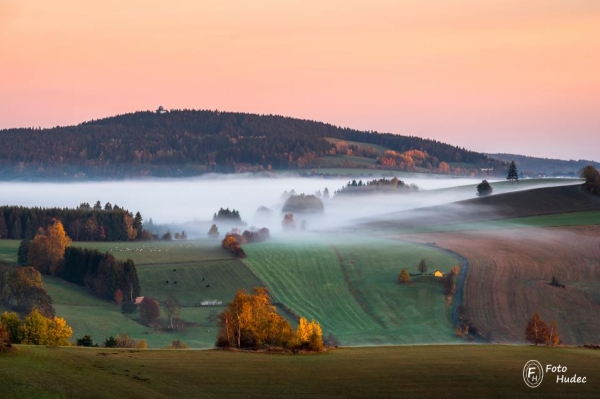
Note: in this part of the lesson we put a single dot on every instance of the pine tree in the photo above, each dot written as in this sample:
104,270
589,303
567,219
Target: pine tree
138,224
23,253
513,174
3,227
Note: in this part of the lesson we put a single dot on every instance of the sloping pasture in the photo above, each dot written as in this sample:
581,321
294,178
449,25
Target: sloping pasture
349,284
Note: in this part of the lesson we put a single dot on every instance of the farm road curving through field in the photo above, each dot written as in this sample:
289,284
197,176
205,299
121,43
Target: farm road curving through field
460,282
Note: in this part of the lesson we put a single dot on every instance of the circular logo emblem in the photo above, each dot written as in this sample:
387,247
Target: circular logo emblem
533,374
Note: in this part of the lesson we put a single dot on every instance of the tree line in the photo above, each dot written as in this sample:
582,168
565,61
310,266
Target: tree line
376,186
84,223
34,329
100,273
50,253
189,142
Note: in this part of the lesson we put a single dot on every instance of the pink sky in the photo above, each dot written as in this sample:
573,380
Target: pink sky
490,75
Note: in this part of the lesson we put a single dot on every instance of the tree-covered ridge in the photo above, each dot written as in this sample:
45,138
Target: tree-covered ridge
535,165
83,223
377,186
188,142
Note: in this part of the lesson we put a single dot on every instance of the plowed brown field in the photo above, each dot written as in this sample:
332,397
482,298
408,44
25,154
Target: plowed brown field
509,274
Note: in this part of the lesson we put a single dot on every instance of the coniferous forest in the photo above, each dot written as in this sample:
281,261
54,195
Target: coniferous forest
84,223
189,143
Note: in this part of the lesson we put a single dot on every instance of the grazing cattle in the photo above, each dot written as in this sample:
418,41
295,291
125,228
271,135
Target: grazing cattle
207,285
174,270
174,282
167,281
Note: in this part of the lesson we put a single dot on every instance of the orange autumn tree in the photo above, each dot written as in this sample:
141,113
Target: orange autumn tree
308,335
251,321
48,248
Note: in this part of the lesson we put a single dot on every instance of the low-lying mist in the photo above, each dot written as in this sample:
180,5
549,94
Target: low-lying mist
180,201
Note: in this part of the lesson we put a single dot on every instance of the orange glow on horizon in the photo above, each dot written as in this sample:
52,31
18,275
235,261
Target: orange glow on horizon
497,75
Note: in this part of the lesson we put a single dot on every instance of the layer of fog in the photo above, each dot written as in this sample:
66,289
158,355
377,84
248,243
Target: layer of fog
181,201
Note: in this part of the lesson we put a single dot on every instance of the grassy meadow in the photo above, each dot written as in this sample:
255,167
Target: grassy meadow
349,284
430,371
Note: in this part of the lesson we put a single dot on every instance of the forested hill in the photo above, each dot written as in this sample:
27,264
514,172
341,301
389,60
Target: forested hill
188,142
533,165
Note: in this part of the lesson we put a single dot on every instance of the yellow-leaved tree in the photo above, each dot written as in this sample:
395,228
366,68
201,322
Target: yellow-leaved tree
48,248
251,321
39,330
309,335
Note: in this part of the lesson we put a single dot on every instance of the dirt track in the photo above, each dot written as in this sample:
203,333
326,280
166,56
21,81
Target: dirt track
509,275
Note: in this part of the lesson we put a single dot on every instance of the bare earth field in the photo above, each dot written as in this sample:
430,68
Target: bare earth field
509,274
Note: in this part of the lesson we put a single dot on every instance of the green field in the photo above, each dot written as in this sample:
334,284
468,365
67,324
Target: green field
379,148
349,284
8,250
160,252
350,289
155,262
432,371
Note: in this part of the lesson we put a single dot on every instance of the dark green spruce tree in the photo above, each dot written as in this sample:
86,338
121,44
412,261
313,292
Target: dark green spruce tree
513,174
23,253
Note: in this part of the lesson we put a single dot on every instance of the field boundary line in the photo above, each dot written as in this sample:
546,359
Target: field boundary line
363,306
462,275
274,298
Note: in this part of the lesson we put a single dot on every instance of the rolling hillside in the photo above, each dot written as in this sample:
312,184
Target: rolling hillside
519,204
534,165
187,143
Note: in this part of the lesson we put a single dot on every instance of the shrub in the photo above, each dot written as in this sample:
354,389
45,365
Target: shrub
178,344
86,340
128,307
404,277
484,188
110,342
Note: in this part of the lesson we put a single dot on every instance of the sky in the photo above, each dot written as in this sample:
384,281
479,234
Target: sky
517,76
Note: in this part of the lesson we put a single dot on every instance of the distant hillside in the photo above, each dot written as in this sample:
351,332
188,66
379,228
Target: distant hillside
188,143
534,166
534,202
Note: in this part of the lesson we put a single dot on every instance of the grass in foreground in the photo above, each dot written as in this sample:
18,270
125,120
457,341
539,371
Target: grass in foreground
474,371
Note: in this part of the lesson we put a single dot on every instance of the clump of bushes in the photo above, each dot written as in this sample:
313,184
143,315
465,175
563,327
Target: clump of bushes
123,340
231,242
303,204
